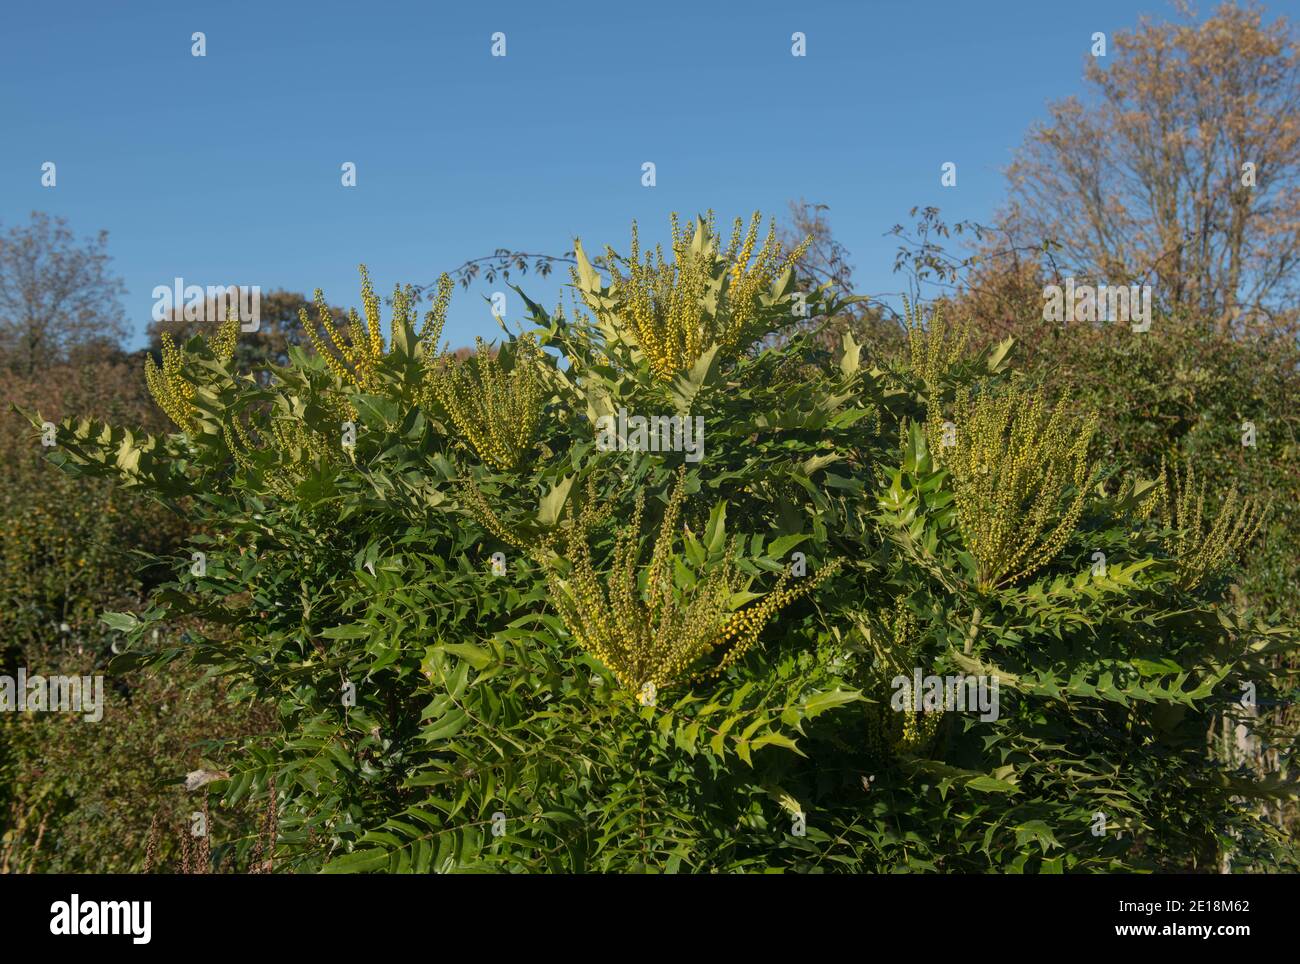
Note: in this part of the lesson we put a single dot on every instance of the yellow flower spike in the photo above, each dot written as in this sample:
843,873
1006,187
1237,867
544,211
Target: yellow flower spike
896,648
332,361
223,342
355,356
654,633
431,330
499,412
297,451
675,311
1204,548
169,386
933,346
1014,463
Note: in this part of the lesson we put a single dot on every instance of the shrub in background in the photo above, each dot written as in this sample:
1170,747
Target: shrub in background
77,796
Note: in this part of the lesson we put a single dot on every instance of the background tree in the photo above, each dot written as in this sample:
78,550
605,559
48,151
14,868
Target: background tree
1144,182
55,293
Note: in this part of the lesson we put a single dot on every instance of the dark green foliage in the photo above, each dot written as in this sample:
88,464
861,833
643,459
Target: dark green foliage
435,715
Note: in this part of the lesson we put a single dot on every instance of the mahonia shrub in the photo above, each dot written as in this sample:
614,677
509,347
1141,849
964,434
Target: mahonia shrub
652,642
496,408
493,643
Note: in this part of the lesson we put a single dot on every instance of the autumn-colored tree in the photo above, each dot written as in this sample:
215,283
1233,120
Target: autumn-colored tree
1181,172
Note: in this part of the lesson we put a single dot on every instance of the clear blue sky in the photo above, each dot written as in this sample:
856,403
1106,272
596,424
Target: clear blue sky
226,169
